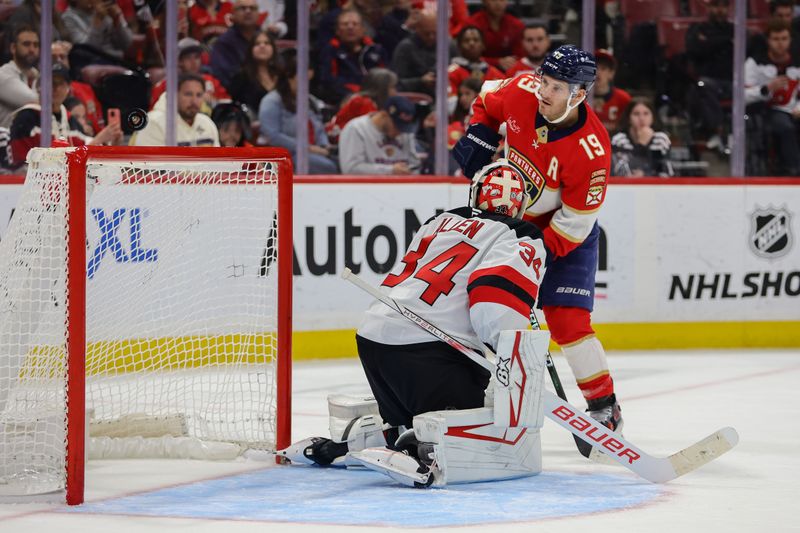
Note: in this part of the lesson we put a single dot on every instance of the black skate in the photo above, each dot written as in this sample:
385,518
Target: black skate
607,411
314,451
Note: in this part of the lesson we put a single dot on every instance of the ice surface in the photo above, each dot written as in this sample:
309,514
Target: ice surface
669,400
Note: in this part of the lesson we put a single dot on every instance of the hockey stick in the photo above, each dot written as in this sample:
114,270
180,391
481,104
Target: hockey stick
584,447
653,469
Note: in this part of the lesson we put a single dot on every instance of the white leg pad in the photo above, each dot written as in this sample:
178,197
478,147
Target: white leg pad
356,421
469,447
518,380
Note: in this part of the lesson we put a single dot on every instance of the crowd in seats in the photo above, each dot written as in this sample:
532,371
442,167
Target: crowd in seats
663,90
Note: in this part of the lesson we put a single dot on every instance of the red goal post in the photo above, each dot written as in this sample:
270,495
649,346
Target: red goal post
188,340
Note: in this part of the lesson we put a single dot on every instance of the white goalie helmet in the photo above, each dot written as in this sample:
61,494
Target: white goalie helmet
499,188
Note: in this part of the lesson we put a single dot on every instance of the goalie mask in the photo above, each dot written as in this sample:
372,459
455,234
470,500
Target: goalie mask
499,188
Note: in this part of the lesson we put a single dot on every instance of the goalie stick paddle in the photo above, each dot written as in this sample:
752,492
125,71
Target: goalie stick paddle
615,446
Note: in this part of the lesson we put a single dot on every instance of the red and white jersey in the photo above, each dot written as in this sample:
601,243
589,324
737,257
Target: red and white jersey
570,165
471,273
609,107
523,66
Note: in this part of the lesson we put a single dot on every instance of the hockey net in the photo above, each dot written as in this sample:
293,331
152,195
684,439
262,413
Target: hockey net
145,308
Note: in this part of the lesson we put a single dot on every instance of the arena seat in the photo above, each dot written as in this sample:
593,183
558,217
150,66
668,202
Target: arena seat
643,11
759,9
672,33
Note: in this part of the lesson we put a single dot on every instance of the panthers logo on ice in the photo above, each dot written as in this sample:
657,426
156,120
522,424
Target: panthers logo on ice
771,233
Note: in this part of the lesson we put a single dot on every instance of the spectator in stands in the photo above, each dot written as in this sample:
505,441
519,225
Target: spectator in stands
17,77
470,62
99,24
190,61
84,92
208,19
346,58
638,149
5,152
608,101
378,85
272,12
502,33
393,25
230,49
156,30
259,72
772,77
535,45
381,142
468,90
76,111
414,59
233,125
278,118
25,128
782,10
29,13
192,128
709,46
370,17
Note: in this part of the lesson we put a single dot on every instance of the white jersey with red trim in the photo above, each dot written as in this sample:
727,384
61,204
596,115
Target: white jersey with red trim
471,273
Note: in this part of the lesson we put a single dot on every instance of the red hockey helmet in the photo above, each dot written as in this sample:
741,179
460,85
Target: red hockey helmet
499,188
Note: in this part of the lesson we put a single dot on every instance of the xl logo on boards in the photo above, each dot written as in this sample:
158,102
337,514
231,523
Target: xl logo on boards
770,232
110,242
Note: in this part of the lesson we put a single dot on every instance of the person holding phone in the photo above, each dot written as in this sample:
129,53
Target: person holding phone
25,127
99,24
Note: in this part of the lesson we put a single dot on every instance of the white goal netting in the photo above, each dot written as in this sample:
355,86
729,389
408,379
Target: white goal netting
181,312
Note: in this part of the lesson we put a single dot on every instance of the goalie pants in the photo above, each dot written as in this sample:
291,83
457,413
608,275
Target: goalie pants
411,379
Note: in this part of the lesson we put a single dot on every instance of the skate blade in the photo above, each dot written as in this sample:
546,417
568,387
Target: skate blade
296,453
397,465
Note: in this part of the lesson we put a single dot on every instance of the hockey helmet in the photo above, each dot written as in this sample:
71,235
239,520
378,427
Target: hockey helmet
571,64
499,188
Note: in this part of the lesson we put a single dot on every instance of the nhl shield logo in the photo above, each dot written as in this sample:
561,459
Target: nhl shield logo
771,234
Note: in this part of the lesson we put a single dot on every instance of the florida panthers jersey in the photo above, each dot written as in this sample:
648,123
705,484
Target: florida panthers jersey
569,165
469,272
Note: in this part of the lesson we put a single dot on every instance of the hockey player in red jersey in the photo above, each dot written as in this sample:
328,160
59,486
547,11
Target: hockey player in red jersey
473,271
561,147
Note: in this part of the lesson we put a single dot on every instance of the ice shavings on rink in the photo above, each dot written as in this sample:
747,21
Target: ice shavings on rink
363,497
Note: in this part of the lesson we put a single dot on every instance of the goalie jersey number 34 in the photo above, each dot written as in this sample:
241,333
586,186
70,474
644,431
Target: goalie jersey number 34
471,272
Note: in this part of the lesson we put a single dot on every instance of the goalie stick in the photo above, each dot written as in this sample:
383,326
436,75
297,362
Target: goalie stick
651,468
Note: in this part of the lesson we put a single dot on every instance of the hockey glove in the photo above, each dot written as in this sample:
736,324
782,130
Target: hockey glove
475,149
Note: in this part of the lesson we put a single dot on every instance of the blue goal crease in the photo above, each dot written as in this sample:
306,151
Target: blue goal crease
362,497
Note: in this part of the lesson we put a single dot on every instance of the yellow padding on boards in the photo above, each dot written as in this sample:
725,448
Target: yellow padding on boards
175,353
167,353
629,336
